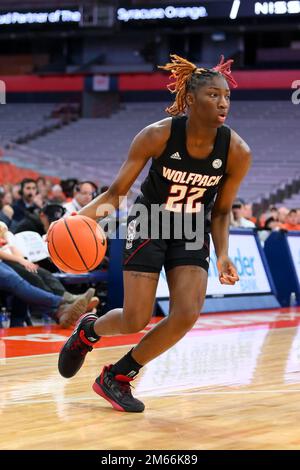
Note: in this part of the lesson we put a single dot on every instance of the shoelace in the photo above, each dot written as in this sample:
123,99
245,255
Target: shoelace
123,386
78,344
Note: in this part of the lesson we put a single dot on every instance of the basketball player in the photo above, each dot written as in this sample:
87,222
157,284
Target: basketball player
208,161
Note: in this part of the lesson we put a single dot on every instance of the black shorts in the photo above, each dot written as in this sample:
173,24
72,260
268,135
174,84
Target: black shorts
150,255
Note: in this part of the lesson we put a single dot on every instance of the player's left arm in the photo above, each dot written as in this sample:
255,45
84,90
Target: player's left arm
238,165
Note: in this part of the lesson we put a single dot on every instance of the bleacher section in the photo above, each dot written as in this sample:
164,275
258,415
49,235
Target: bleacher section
271,128
21,121
292,202
12,174
96,148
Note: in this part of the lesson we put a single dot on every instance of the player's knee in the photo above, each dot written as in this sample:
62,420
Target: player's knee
185,321
190,320
133,324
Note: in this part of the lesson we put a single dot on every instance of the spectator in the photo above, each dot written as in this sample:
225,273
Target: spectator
66,314
248,213
7,199
35,275
68,187
41,219
272,224
43,189
238,219
29,200
6,213
57,194
40,183
273,212
84,192
103,189
282,214
291,221
16,189
261,220
39,222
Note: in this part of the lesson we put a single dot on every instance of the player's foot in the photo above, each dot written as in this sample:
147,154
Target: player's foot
117,391
73,353
68,314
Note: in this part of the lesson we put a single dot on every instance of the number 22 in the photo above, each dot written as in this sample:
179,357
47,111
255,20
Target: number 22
178,194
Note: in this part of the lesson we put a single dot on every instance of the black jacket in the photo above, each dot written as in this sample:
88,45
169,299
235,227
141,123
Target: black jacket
20,209
30,222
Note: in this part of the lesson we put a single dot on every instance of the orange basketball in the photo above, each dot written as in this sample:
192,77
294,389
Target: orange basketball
76,244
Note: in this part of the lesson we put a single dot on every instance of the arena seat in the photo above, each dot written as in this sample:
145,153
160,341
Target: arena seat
98,147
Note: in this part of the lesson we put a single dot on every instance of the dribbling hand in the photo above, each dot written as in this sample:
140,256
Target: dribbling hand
227,271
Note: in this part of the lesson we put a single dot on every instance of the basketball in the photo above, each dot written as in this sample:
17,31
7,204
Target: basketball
76,244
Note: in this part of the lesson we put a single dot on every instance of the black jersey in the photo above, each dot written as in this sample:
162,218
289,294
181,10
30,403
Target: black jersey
182,182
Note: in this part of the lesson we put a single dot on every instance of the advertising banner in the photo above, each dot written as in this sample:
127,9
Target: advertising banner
294,245
244,252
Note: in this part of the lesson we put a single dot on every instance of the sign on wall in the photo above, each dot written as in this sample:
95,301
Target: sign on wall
244,252
213,9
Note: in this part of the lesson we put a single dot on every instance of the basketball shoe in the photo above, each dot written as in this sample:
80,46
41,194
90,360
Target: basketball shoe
72,354
116,390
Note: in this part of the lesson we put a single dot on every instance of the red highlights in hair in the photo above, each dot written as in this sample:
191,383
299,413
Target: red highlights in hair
224,69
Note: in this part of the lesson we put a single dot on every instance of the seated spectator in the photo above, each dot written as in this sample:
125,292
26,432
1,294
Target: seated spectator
261,220
291,221
272,224
282,214
40,220
7,198
103,189
57,195
40,183
83,193
44,187
6,212
65,314
29,199
248,213
238,219
35,275
274,212
16,189
68,187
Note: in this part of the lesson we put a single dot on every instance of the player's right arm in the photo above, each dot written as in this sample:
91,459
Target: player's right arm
149,143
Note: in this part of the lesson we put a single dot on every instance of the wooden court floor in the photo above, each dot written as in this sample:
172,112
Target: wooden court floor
232,383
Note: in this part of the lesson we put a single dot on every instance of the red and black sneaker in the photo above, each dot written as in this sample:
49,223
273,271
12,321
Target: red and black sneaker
116,389
73,353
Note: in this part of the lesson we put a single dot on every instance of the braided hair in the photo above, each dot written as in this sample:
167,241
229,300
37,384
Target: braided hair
188,77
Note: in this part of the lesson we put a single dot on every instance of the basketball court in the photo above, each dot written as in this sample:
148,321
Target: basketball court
232,383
